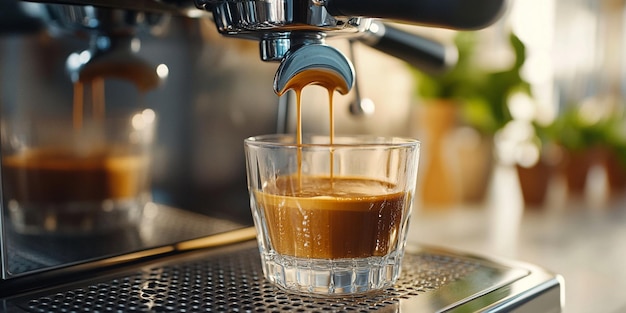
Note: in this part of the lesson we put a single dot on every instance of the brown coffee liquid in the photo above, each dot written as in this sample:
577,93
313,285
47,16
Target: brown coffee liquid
55,176
334,218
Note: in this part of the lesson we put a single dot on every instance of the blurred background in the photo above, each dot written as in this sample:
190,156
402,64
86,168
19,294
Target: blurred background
524,141
524,146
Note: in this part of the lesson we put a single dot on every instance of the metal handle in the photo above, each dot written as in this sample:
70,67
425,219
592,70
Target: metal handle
425,54
456,14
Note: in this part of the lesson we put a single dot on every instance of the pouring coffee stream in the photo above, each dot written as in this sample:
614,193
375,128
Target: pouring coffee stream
314,65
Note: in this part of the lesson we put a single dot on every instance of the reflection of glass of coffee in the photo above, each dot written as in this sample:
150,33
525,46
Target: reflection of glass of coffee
331,219
57,179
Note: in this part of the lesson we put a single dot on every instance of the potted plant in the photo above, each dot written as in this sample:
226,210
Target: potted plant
472,98
590,134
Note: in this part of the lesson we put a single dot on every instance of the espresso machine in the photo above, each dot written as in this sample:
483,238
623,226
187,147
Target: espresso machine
194,248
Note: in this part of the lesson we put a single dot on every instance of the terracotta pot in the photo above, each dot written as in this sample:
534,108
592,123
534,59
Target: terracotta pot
534,182
575,168
615,170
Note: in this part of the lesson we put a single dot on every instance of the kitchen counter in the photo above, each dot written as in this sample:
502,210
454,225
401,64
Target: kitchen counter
583,239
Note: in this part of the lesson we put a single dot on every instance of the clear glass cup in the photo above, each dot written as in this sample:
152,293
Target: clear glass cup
66,179
331,219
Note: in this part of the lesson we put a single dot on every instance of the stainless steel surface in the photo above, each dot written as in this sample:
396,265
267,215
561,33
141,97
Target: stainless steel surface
278,24
160,226
229,279
263,19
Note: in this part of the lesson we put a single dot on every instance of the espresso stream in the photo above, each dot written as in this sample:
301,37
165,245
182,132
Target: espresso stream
329,217
326,79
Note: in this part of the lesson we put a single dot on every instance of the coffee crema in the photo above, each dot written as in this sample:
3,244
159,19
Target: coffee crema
332,217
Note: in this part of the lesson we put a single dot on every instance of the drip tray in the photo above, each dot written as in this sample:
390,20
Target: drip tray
230,279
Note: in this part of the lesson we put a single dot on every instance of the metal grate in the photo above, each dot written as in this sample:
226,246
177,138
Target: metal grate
233,282
160,225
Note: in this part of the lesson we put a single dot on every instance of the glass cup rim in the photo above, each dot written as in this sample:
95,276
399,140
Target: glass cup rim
278,140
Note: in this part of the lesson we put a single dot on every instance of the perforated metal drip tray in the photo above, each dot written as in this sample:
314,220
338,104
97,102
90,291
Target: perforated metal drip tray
230,279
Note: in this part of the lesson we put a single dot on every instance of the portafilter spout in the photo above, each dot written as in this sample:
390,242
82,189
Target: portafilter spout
314,64
114,57
113,48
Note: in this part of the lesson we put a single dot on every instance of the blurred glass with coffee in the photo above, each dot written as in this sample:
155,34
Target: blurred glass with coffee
83,167
64,177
